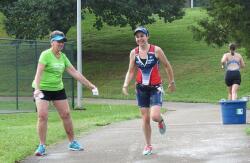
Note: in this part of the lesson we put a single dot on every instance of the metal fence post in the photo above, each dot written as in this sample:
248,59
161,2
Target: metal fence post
72,79
36,56
73,92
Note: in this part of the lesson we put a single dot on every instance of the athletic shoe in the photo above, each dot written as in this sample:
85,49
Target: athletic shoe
147,150
40,151
75,146
162,127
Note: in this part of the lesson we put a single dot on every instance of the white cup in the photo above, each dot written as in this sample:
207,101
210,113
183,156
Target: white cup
95,91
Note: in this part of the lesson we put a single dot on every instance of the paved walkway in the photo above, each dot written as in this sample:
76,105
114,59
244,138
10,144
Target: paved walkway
194,135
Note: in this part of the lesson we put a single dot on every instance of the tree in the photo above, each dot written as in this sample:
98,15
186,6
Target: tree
32,19
227,21
6,2
201,3
134,12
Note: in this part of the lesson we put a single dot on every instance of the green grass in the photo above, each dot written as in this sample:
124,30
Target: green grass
20,138
248,130
2,30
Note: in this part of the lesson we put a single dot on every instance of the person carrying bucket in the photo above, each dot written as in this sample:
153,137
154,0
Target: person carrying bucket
232,62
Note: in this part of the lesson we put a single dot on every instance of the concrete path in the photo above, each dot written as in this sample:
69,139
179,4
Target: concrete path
195,134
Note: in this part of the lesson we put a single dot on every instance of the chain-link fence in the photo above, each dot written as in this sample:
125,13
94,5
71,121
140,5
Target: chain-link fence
18,61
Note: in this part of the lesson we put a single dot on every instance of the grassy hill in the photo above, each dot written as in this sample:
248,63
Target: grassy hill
198,75
2,31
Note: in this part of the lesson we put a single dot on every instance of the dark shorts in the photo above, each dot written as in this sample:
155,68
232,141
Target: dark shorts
232,77
148,95
54,95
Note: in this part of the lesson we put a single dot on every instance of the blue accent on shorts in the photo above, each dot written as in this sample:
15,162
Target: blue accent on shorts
148,96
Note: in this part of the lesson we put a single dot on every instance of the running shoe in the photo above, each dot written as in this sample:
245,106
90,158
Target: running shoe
147,150
75,146
40,151
162,127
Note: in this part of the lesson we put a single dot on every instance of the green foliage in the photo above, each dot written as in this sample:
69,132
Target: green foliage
201,3
134,12
4,3
30,19
227,21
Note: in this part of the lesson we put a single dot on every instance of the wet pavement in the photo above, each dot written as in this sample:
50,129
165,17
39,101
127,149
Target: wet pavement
195,134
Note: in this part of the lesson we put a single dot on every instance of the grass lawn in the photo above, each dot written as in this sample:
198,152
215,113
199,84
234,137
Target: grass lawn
20,135
248,130
2,30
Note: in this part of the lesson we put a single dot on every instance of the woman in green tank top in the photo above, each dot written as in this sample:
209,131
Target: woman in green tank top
48,86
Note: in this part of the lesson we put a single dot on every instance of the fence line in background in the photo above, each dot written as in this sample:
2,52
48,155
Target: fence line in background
18,61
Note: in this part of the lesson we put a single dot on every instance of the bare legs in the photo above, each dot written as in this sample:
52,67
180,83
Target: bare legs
42,111
232,92
146,113
62,107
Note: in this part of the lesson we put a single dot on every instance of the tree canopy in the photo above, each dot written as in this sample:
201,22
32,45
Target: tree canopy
31,19
227,21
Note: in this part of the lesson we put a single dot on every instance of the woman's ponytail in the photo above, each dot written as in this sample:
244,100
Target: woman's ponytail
232,48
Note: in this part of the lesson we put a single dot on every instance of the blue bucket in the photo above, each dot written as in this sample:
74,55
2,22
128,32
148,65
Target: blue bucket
233,111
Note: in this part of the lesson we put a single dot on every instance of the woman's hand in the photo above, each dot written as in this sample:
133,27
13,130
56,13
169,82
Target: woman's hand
125,90
38,94
171,87
95,91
